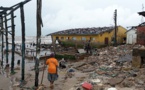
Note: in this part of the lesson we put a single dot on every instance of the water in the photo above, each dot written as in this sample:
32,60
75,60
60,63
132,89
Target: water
29,63
30,39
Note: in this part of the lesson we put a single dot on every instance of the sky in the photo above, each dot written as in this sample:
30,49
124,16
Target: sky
60,15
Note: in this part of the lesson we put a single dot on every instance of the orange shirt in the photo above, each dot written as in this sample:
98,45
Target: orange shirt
52,64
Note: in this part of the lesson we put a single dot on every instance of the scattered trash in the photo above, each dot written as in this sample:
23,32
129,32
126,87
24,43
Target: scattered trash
95,81
112,88
87,86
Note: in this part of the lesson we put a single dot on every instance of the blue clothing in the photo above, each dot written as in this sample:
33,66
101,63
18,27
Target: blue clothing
52,77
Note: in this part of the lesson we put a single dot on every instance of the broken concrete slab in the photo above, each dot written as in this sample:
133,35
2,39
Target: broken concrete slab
115,81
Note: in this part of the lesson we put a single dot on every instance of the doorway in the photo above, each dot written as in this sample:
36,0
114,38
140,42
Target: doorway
106,40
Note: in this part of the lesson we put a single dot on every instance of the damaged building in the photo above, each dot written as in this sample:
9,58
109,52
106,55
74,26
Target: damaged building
99,35
141,31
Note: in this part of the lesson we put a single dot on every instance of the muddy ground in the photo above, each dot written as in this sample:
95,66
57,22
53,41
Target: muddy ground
109,67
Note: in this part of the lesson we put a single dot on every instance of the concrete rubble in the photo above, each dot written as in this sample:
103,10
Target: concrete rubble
109,68
112,67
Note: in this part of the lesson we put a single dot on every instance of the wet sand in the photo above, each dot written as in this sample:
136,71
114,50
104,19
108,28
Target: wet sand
11,82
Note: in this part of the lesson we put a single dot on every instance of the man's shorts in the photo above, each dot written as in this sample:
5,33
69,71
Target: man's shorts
52,77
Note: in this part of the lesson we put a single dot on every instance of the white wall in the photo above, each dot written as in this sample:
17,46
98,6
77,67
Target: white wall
131,37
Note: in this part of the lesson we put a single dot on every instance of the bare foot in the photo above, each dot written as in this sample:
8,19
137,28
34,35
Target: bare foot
51,86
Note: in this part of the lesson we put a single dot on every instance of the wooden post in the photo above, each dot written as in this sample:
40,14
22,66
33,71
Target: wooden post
2,32
38,40
13,42
7,48
23,41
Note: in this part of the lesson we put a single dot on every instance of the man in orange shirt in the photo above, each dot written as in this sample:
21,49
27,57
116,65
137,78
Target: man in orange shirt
52,69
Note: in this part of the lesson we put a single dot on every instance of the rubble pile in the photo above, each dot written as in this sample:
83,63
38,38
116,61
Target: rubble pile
111,67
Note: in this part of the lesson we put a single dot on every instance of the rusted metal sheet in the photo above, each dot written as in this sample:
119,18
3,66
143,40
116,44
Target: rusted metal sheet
138,52
141,35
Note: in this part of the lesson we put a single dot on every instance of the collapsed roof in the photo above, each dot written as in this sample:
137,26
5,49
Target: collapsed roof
84,31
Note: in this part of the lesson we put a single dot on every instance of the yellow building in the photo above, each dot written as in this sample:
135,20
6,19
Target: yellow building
99,35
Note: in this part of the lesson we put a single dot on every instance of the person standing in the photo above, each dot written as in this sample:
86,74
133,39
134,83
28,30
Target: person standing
88,47
52,69
62,64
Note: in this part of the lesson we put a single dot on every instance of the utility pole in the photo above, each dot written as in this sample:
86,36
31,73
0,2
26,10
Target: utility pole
142,16
38,40
115,21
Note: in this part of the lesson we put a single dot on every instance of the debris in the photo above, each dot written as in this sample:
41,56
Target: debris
16,85
87,86
95,81
114,81
112,88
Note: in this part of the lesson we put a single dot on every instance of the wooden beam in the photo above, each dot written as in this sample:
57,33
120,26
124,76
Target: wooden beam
10,33
2,12
10,26
5,8
12,8
23,41
1,19
39,23
7,48
24,2
142,13
17,6
10,18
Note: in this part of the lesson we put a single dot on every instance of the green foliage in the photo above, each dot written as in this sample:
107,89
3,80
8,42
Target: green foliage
70,57
67,44
72,44
80,44
99,46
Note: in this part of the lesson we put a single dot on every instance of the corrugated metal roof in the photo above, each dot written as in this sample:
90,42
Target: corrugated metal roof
84,31
142,24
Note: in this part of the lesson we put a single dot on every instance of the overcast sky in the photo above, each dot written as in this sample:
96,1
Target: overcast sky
65,14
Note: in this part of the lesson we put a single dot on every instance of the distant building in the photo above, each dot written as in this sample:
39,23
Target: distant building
99,35
131,36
